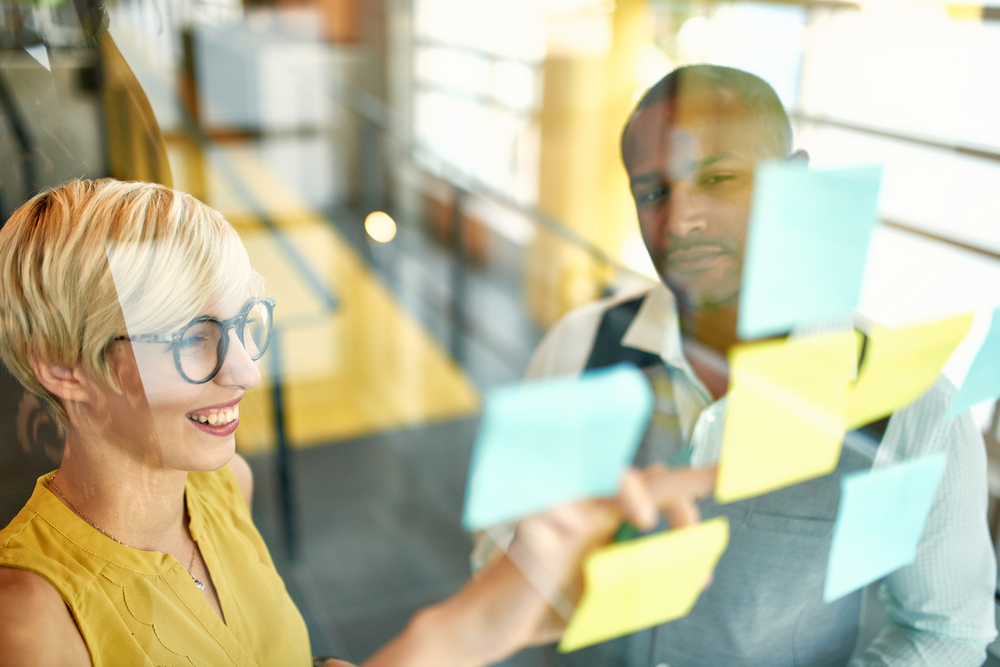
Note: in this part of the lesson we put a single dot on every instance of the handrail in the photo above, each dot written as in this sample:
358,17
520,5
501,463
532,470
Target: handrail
375,111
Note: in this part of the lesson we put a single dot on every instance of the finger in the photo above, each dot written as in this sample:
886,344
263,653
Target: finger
636,500
681,512
675,491
666,484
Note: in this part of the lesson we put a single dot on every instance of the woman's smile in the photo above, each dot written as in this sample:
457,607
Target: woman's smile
220,419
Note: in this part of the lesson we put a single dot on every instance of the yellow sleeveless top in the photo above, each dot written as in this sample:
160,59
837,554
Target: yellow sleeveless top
141,607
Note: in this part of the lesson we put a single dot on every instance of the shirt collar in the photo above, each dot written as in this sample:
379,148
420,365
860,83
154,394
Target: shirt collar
656,329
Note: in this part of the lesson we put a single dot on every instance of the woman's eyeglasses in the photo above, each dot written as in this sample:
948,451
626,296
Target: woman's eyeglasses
200,347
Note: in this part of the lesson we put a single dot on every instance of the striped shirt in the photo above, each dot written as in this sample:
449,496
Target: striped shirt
940,608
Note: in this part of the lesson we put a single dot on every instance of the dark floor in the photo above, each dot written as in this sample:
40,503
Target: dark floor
381,534
379,517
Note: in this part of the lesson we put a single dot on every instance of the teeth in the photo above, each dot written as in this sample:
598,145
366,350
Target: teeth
217,418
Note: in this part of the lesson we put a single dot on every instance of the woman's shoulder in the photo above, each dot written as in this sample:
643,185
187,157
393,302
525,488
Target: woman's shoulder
35,624
37,540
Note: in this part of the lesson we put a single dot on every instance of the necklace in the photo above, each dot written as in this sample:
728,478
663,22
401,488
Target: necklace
52,485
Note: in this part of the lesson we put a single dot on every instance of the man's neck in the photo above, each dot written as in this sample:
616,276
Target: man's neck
713,331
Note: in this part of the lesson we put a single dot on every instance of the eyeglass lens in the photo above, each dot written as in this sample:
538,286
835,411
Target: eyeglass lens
201,344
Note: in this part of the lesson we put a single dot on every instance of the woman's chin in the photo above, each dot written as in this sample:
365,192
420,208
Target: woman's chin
211,458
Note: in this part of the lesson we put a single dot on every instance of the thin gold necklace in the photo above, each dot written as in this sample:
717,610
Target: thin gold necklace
52,485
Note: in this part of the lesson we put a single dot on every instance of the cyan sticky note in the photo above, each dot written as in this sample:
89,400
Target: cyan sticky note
880,521
806,245
983,380
552,441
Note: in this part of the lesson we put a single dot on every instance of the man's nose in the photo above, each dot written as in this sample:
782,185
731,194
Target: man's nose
687,213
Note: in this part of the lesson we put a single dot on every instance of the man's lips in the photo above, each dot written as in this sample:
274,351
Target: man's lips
694,259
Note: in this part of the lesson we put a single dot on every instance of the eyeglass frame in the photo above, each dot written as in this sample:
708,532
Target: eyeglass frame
238,323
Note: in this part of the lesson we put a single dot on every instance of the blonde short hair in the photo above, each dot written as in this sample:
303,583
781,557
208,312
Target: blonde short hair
79,260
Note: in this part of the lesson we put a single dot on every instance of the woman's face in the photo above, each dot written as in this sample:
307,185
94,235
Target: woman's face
164,419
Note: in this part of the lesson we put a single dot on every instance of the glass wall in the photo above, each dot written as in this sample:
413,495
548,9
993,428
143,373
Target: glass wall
429,188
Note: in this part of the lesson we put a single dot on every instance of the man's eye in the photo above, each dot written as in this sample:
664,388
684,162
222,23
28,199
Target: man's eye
653,195
714,179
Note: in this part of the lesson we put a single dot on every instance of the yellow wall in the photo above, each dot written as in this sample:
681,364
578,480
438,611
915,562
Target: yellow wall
585,103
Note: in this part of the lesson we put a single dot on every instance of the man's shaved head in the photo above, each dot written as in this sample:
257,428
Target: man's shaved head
756,97
690,149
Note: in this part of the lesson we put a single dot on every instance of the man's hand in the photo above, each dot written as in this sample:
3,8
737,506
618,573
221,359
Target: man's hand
527,596
549,548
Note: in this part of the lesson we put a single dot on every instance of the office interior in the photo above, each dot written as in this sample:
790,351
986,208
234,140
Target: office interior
428,186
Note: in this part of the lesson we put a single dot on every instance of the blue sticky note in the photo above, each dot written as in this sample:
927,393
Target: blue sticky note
553,441
806,246
881,517
983,381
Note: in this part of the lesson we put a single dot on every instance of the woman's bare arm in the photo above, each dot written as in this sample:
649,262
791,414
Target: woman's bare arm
36,627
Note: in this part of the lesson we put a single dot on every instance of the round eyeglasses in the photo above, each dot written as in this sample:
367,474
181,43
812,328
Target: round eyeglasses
200,347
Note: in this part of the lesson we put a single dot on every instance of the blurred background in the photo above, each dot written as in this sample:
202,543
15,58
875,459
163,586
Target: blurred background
428,185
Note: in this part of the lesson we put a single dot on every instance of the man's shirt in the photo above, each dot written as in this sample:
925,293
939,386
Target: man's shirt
940,607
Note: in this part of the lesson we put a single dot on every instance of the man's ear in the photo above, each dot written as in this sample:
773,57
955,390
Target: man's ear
799,156
66,382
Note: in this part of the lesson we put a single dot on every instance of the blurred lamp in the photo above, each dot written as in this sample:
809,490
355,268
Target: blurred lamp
380,226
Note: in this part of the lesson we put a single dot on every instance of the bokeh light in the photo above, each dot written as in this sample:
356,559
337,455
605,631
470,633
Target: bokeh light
380,226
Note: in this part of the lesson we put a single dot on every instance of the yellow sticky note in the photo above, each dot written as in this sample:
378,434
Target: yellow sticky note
644,582
900,365
786,416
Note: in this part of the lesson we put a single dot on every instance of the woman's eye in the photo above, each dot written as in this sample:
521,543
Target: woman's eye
190,342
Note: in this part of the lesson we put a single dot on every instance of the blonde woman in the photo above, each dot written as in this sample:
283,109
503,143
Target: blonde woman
132,312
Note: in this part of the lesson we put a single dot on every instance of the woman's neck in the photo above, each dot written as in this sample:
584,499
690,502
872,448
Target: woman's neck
139,504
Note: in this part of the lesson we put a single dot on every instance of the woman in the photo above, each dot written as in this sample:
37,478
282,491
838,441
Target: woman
131,310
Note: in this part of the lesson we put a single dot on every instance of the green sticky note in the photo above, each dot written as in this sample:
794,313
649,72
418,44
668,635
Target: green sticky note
900,365
644,582
983,380
553,441
806,246
880,521
785,418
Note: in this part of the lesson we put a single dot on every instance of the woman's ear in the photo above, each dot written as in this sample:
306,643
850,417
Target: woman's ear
799,156
66,382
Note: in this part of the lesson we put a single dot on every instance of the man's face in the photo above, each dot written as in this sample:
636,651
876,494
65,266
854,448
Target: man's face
691,165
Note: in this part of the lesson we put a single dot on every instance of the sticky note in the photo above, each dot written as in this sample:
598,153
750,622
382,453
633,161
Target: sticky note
806,246
644,582
785,419
900,365
881,517
983,380
553,441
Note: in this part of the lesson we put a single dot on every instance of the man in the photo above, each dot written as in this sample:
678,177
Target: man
690,149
